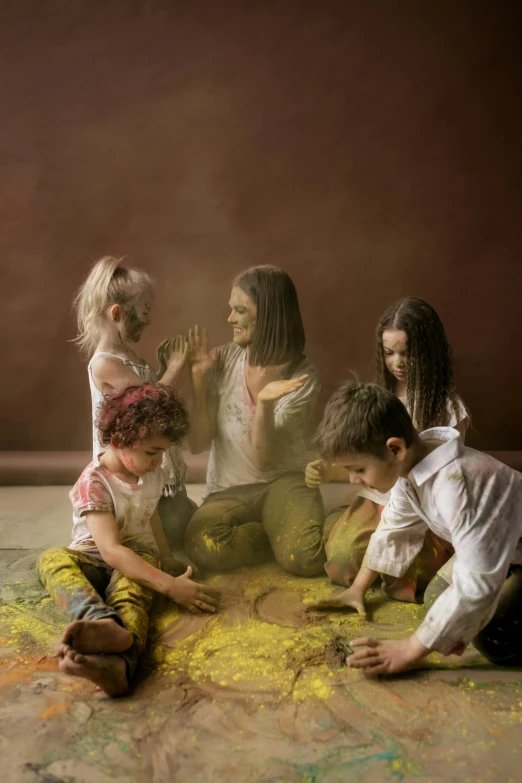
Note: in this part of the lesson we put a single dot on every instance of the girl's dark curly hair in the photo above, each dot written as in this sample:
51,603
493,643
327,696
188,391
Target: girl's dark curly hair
140,412
430,382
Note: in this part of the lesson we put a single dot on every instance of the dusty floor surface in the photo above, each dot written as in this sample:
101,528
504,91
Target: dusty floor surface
258,693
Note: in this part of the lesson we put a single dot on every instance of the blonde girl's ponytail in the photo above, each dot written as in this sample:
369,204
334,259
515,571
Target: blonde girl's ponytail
108,283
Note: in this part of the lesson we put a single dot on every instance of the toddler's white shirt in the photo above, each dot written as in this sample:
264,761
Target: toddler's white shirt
132,505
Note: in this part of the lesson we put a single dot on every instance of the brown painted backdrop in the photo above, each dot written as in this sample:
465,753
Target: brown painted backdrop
371,149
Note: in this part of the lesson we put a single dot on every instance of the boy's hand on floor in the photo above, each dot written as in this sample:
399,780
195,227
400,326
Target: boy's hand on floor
349,598
387,657
192,595
318,472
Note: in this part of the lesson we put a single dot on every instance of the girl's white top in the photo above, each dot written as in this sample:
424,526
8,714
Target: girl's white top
132,505
173,464
230,463
474,502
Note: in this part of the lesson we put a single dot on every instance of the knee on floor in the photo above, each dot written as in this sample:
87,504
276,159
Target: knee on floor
301,564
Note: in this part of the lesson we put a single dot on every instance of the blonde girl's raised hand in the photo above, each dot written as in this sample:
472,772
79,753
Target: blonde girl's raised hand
172,356
178,353
200,360
162,351
318,472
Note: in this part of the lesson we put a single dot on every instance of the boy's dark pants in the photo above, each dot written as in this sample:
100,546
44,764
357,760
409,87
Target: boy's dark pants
85,588
501,640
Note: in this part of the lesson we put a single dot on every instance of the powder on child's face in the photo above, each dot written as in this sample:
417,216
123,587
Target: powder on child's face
146,456
138,318
394,343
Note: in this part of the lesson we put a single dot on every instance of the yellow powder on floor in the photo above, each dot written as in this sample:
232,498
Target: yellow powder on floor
27,629
255,657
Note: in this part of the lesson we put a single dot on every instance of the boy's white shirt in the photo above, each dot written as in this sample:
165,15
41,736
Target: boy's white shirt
471,500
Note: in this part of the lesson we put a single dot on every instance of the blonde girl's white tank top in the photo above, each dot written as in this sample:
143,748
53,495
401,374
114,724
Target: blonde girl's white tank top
173,463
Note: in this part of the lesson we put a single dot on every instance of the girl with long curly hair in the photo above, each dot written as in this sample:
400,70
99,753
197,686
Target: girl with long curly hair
412,359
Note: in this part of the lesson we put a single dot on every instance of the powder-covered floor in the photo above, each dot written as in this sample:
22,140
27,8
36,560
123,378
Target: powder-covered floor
258,693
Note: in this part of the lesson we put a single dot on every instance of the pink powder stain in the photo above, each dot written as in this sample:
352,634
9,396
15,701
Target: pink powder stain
128,462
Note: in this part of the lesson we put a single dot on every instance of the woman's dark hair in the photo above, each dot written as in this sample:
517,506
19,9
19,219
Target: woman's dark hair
279,334
430,382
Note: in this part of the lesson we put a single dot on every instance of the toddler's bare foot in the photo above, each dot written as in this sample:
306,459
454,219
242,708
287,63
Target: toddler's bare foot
109,672
97,636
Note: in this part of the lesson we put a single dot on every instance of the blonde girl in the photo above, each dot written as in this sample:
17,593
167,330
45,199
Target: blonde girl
113,308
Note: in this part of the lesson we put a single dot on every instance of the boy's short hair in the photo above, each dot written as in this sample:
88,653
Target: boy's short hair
140,412
359,418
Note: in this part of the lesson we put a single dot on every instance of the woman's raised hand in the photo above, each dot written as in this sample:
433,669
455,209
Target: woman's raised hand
277,389
199,358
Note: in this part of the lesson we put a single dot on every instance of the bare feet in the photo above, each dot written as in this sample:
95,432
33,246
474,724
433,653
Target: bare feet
108,672
96,636
62,650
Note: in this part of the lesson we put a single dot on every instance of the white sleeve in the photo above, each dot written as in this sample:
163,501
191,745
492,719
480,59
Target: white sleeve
399,537
461,414
484,538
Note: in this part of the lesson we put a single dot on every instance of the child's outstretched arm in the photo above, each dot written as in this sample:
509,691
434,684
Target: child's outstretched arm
388,657
181,589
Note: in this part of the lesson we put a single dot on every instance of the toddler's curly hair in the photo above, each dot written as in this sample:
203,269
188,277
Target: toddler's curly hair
140,412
